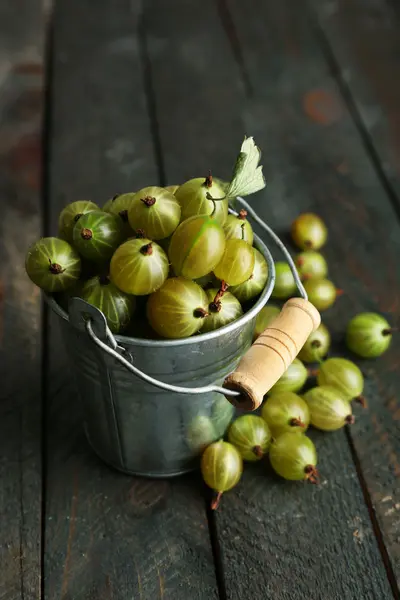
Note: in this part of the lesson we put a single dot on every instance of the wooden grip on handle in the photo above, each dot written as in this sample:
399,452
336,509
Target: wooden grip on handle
272,353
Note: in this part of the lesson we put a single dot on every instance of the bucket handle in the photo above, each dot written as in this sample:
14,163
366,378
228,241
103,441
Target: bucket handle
278,345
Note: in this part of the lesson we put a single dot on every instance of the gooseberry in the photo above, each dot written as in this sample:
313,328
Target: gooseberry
309,232
237,262
178,309
52,264
223,308
238,227
172,188
264,318
250,434
222,414
368,335
292,379
255,284
294,457
285,285
321,292
285,412
97,234
196,247
156,211
116,306
194,197
329,410
316,346
221,468
119,205
344,375
70,215
139,267
311,264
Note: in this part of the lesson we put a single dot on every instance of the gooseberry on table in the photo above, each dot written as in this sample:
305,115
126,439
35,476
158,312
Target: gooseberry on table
322,293
368,335
255,284
285,412
139,267
329,410
294,457
309,232
116,306
316,346
344,375
53,264
237,262
285,285
156,211
196,247
70,215
97,235
292,379
311,265
250,434
221,467
178,309
223,308
195,195
238,227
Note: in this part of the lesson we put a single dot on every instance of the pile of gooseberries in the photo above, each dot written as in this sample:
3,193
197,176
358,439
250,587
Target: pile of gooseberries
177,252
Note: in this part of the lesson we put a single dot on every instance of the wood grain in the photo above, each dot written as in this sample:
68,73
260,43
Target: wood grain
314,160
108,535
21,109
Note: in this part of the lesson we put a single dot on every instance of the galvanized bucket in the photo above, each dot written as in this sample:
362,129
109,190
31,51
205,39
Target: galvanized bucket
152,406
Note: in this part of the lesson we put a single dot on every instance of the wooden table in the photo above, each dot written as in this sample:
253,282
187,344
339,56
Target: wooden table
133,95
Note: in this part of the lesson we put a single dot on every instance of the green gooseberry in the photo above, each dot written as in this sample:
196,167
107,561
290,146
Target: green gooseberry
250,434
329,410
322,293
285,285
311,264
316,346
344,375
292,379
368,335
264,318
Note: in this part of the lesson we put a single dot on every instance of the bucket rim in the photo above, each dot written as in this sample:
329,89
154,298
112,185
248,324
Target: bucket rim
200,337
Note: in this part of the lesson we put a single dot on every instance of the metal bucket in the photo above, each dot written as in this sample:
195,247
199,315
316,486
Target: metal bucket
152,406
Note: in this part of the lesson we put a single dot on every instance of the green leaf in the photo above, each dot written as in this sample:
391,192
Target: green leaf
247,175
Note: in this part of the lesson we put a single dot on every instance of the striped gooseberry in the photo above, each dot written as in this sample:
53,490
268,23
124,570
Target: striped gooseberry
368,335
53,264
285,285
116,306
329,410
237,262
196,247
119,205
195,195
311,264
285,412
309,232
70,215
178,309
321,292
97,235
221,468
292,379
344,375
156,211
264,318
223,308
250,434
316,346
238,227
294,457
255,284
139,267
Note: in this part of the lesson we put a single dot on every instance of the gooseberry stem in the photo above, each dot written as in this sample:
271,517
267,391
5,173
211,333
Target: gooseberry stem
115,197
86,234
147,249
312,474
215,502
242,228
258,451
296,422
200,313
242,215
362,400
389,330
140,234
208,180
148,201
104,279
124,215
350,419
55,268
339,293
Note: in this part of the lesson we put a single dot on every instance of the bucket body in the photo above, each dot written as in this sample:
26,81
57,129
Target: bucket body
135,426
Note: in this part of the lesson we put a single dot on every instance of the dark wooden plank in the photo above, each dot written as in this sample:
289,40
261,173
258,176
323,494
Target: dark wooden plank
108,535
314,160
21,106
362,43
